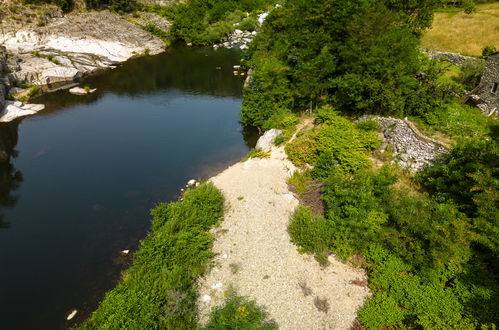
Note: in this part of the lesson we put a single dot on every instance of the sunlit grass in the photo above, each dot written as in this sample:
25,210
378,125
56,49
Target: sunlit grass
462,33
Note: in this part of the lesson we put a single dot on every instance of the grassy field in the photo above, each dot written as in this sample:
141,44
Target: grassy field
455,31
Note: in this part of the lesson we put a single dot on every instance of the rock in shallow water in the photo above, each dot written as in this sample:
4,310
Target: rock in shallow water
14,110
81,91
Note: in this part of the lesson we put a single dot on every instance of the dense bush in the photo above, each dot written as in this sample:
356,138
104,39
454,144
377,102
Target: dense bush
488,50
457,120
361,56
159,289
239,313
469,177
206,21
303,149
120,6
420,251
65,5
471,73
338,143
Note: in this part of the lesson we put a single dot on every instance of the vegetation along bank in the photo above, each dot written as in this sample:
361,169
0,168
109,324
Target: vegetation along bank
427,235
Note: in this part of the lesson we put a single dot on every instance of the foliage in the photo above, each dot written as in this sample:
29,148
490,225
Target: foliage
488,50
358,55
156,31
338,144
239,313
471,73
299,180
420,252
469,177
206,21
303,149
159,290
348,145
65,5
469,7
256,153
119,6
457,120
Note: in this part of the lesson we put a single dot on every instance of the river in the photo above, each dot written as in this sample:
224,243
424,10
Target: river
81,176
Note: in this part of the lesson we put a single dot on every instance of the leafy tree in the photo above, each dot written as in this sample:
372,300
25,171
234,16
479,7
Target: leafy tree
361,56
469,177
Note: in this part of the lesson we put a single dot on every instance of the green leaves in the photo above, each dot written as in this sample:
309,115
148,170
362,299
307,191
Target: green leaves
158,291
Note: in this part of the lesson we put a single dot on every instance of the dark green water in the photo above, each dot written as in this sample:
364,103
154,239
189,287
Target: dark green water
82,175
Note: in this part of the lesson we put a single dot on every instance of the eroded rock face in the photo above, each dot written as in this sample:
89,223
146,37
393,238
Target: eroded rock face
73,46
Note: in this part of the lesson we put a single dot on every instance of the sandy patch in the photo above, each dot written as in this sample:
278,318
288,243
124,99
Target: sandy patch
256,257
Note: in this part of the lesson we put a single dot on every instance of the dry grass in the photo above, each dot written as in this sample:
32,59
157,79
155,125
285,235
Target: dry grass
466,34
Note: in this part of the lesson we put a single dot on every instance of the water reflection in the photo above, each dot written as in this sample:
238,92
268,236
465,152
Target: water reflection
94,165
192,71
10,178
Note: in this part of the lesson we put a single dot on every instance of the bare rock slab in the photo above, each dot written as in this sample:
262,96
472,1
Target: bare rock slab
15,110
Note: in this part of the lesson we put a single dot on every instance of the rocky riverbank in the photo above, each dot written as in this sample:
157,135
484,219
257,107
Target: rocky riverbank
67,48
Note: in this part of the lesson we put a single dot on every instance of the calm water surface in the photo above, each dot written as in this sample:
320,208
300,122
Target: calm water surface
84,173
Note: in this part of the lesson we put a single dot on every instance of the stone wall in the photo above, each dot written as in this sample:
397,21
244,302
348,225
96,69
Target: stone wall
486,95
411,149
454,58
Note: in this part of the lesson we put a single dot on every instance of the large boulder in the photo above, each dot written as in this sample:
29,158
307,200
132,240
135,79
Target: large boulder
266,141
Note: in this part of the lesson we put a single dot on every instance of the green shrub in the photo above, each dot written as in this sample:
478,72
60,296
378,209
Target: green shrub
368,125
325,114
488,50
310,232
302,150
256,153
469,7
249,24
239,313
348,145
457,120
156,31
471,73
299,180
158,290
469,177
419,250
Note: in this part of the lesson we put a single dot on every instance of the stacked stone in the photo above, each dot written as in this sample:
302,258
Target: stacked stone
411,149
454,58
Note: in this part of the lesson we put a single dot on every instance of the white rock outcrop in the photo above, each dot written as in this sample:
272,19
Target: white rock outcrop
14,110
81,91
266,141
